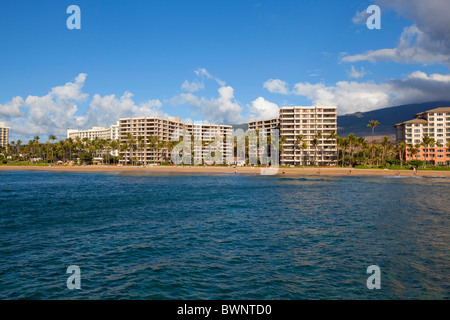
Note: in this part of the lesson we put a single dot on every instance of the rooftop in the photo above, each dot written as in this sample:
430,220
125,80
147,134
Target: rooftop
437,110
413,121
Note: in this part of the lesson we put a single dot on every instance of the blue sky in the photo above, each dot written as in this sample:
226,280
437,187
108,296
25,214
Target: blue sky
237,59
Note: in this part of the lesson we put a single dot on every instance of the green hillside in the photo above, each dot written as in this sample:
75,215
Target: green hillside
357,123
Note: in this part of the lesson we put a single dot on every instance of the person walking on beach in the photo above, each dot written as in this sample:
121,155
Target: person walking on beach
318,172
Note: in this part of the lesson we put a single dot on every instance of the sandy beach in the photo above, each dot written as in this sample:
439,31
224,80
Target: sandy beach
230,170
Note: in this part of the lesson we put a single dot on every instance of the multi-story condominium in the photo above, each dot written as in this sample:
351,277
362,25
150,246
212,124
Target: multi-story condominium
317,125
4,135
115,131
433,123
267,124
207,133
111,133
148,149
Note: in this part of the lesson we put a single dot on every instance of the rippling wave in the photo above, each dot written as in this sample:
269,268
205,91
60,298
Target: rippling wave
172,236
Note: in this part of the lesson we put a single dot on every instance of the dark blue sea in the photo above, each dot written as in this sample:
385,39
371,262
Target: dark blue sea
172,236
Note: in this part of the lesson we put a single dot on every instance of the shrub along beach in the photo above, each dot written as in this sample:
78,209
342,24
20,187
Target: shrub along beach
356,156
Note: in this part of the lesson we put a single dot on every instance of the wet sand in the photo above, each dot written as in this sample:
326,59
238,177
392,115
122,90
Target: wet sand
229,170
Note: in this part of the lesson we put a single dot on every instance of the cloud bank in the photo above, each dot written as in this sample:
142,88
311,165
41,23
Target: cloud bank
352,96
57,111
426,41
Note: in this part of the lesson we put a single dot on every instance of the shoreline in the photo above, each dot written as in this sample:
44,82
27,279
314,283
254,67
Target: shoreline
229,170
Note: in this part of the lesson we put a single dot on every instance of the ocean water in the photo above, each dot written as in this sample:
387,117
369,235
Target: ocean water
172,236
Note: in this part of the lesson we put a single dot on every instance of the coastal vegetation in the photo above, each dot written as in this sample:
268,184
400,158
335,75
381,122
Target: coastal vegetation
77,151
359,153
352,151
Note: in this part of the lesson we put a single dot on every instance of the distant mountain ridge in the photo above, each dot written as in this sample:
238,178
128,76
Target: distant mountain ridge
356,123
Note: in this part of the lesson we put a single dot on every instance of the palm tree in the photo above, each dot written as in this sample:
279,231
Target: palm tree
373,124
141,145
130,144
69,143
161,145
401,146
314,144
282,142
318,136
153,145
333,137
427,142
52,137
364,146
170,145
352,142
413,150
303,147
34,144
385,143
299,140
123,148
114,144
61,147
19,142
344,145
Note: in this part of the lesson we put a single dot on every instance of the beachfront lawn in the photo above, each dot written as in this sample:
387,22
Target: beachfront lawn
24,163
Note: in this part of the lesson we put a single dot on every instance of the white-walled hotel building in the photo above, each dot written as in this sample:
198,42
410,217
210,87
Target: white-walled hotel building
434,123
4,135
111,133
306,121
147,127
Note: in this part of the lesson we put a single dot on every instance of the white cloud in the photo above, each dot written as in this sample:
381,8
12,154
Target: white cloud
202,72
263,109
348,96
186,98
109,109
57,111
426,41
155,103
414,46
352,96
193,86
360,17
353,73
52,113
221,110
12,109
276,86
224,109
